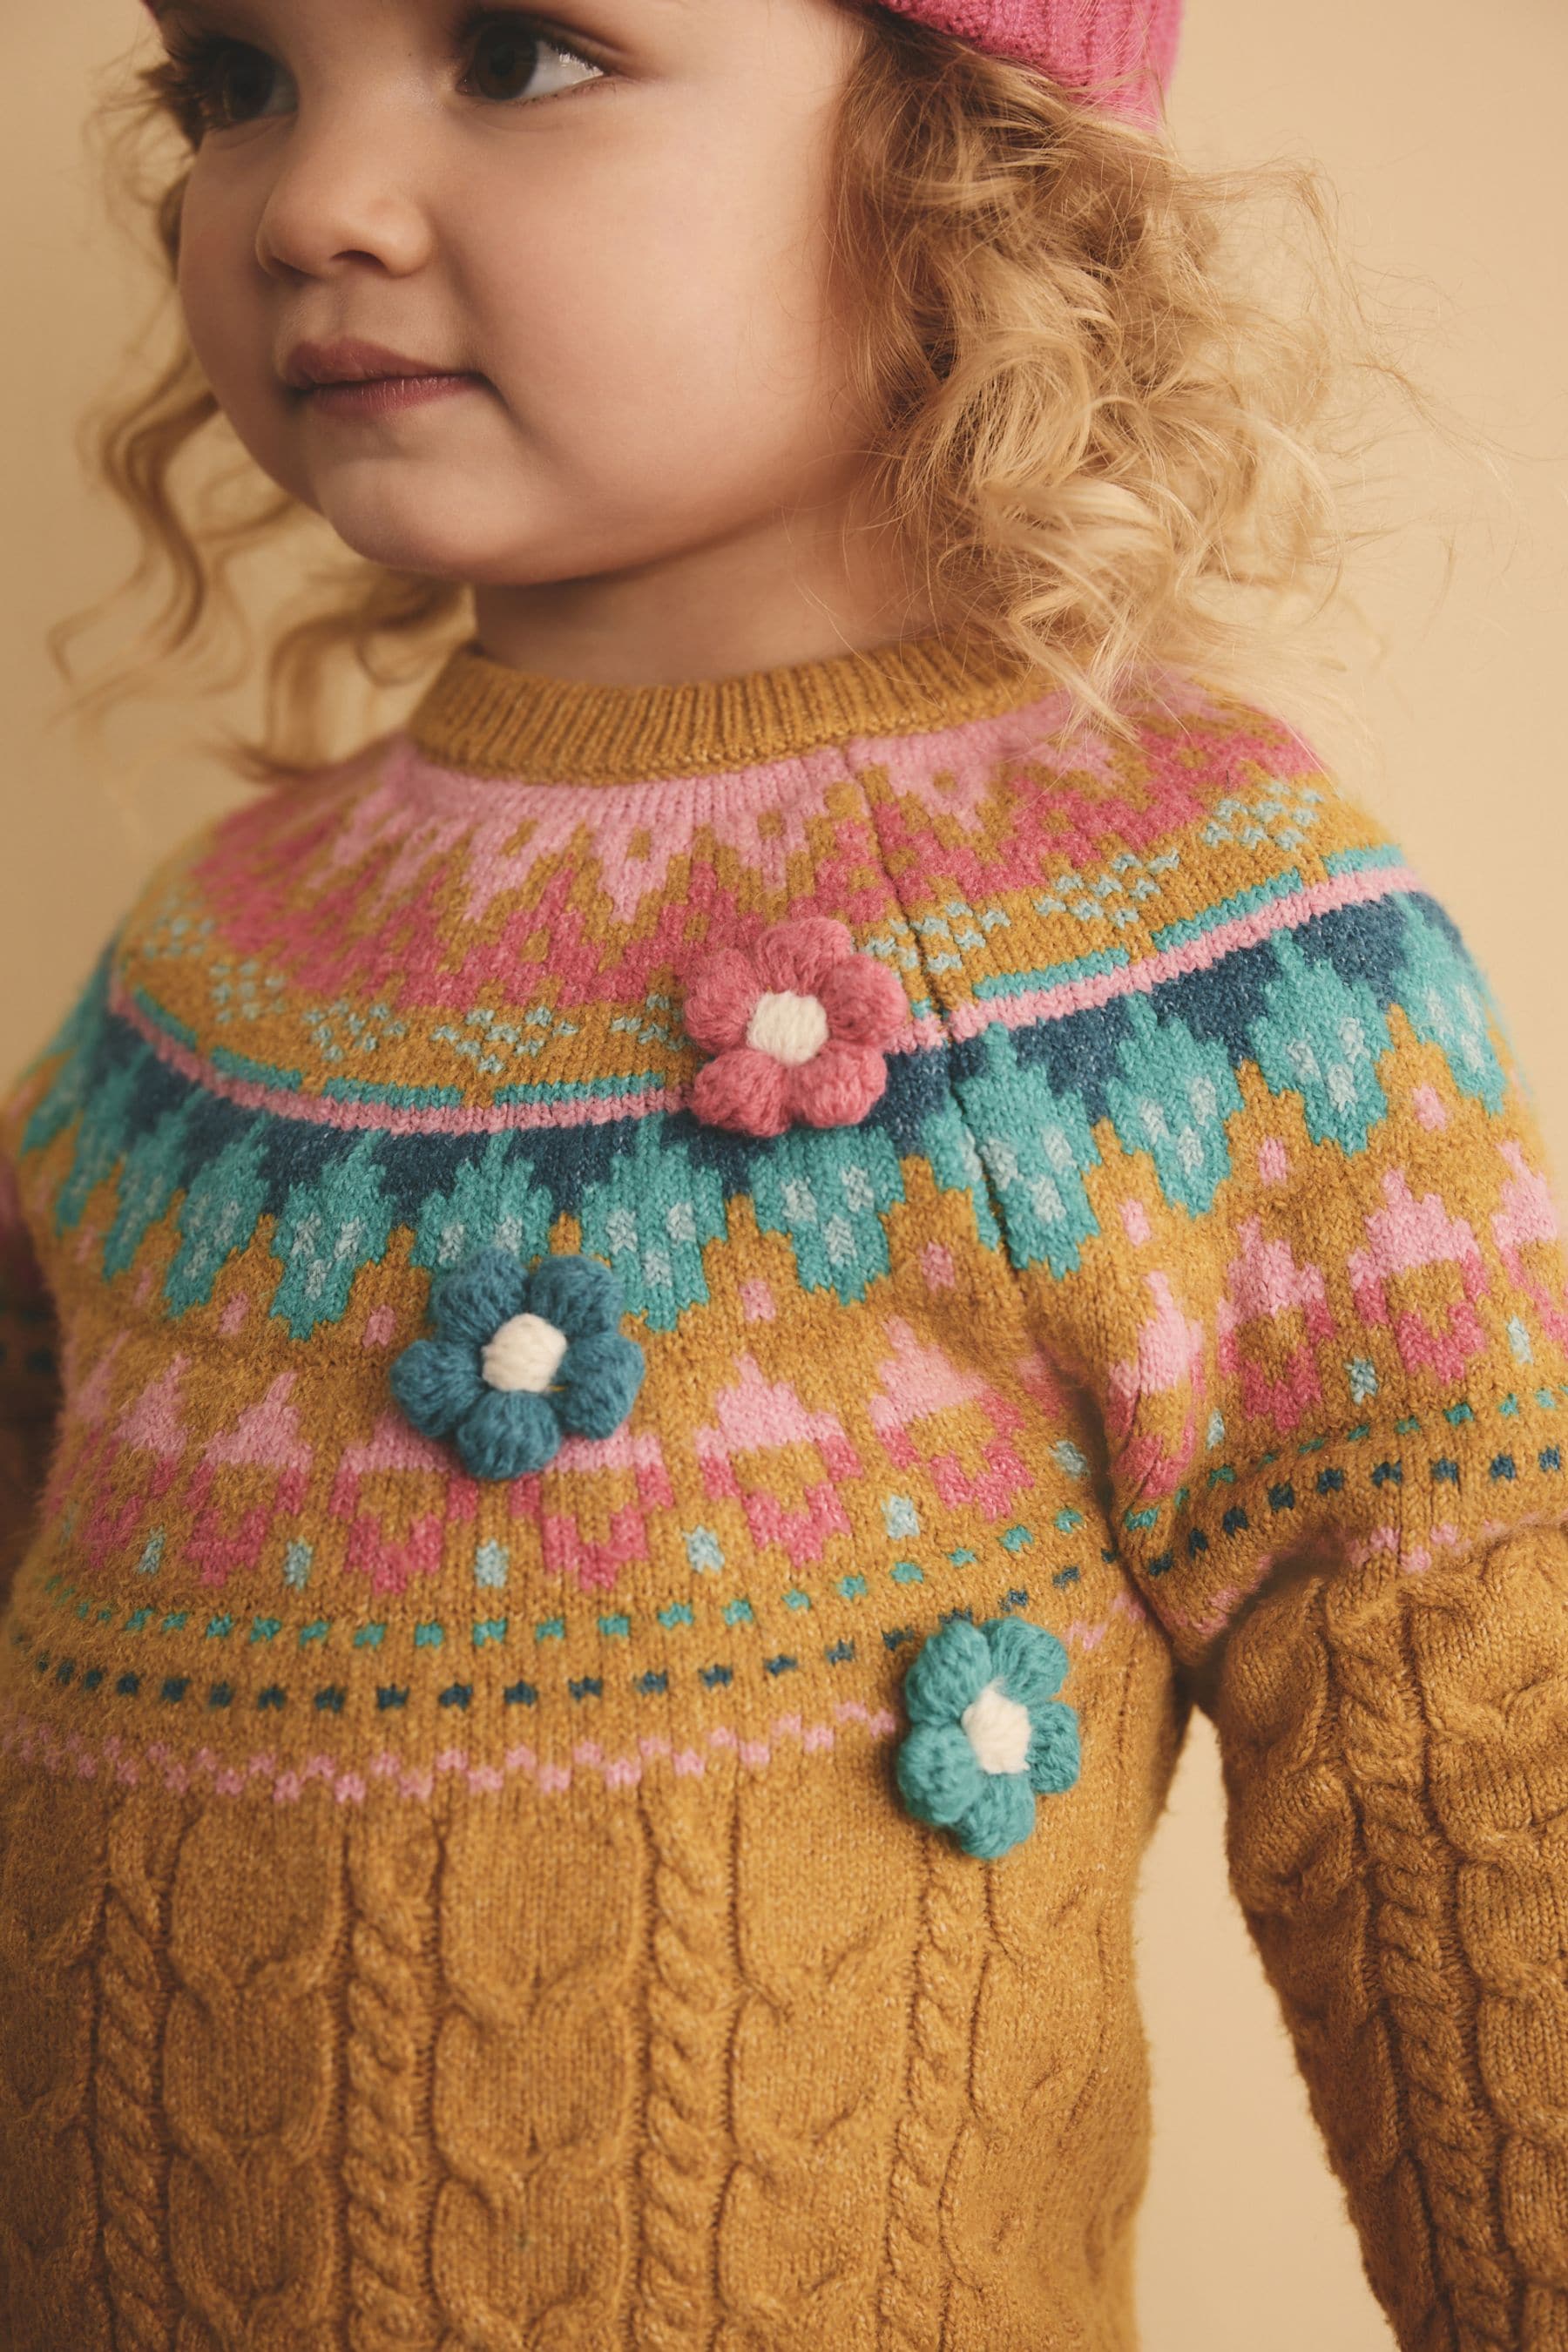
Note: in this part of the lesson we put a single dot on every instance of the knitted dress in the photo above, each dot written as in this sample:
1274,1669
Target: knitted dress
655,1339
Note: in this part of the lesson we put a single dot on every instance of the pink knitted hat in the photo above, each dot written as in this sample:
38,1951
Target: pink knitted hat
1081,44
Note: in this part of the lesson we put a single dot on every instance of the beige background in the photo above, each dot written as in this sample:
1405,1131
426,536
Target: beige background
1440,125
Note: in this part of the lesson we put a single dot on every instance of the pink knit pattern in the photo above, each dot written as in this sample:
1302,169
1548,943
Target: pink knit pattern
1081,44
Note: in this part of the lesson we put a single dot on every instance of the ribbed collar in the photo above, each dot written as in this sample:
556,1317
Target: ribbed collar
488,719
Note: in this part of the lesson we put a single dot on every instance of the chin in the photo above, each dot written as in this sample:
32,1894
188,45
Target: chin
406,543
414,521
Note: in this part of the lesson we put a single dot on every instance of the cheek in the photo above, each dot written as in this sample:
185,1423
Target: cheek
228,324
221,314
680,295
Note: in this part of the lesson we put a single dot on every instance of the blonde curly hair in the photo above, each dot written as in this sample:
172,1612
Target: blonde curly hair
1098,437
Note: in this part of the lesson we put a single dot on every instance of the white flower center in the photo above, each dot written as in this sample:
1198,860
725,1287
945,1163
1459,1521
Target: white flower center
791,1028
998,1730
525,1353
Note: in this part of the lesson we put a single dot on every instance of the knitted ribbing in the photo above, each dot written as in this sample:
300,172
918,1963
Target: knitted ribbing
486,719
441,1908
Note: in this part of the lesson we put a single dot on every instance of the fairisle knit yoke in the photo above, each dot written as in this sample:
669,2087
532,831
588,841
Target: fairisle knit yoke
616,1523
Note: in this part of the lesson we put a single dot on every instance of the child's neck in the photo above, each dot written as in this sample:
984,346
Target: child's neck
758,608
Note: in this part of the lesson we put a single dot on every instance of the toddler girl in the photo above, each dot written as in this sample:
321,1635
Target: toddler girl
660,1329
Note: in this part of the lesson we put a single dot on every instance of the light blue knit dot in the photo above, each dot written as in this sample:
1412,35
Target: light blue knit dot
704,1550
490,1564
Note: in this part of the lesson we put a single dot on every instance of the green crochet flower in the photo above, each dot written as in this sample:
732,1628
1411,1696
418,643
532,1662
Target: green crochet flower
987,1735
519,1359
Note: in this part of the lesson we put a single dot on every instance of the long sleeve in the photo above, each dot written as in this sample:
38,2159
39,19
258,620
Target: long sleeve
30,1379
1285,1220
1372,1604
1395,1760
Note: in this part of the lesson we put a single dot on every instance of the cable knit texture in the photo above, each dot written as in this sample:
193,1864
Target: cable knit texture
483,1895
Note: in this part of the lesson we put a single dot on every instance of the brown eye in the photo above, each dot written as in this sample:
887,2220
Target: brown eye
215,84
505,61
513,58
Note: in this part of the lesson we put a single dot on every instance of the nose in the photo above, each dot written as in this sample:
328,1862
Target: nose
345,191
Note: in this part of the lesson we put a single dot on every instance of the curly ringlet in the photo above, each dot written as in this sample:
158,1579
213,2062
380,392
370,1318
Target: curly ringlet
1102,438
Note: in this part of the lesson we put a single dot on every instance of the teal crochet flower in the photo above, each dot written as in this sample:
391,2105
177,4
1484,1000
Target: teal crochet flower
520,1360
987,1735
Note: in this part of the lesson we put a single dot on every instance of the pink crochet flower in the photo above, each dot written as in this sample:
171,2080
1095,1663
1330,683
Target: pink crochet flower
798,1028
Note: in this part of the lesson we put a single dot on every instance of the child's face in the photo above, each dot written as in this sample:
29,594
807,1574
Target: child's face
615,216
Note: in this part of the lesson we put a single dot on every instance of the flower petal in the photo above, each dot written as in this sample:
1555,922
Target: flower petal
578,1295
744,1091
436,1383
1028,1657
938,1777
1002,1817
472,1302
721,998
953,1667
1054,1754
800,952
838,1086
864,1002
600,1376
508,1434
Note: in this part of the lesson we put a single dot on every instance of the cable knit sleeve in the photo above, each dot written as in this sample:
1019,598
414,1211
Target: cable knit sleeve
1395,1759
1336,1426
1307,1265
1390,1693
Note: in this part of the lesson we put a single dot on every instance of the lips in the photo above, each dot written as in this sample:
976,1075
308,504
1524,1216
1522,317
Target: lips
350,359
